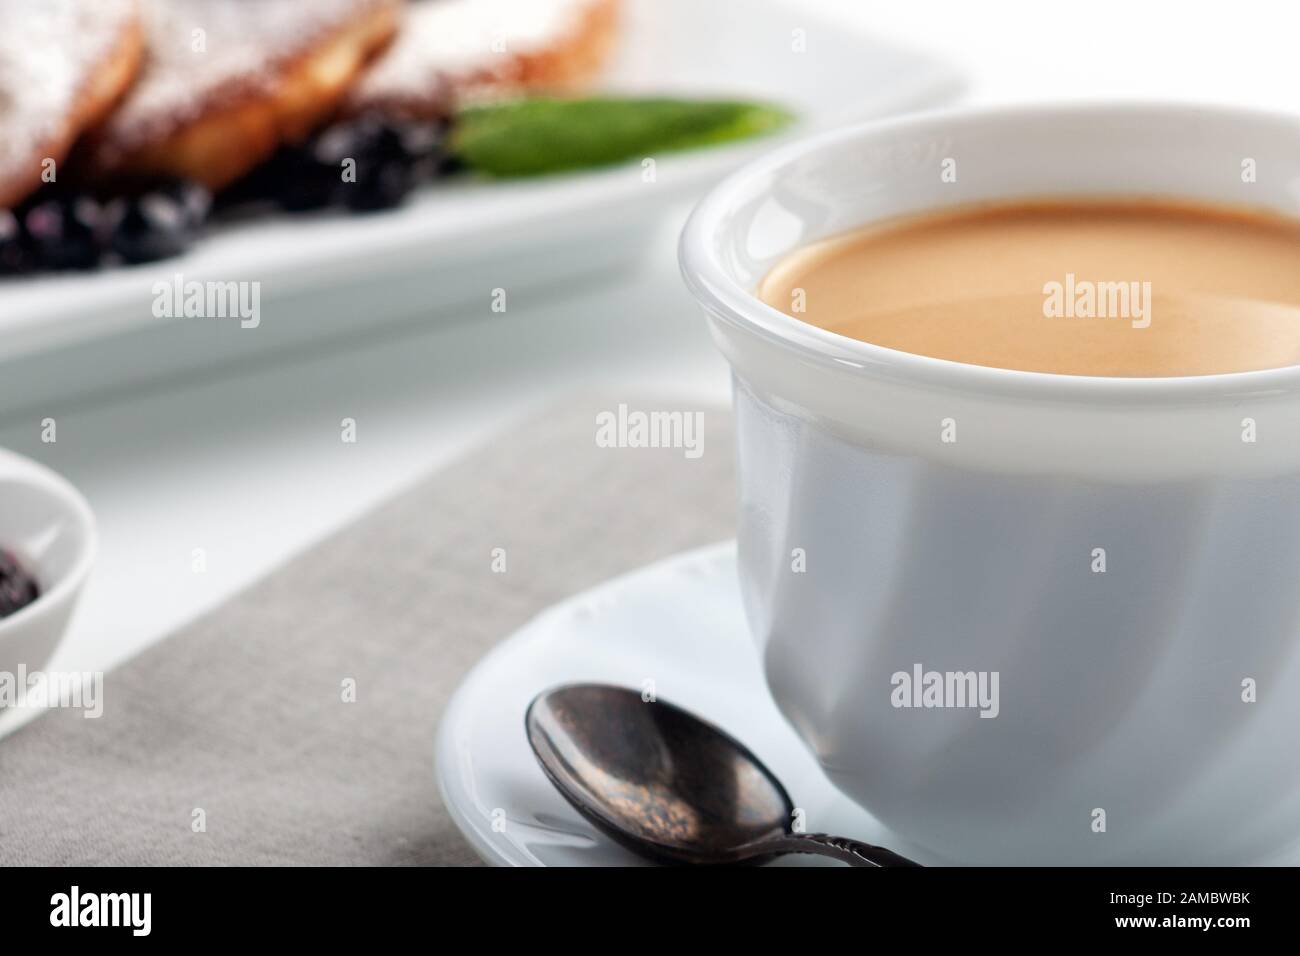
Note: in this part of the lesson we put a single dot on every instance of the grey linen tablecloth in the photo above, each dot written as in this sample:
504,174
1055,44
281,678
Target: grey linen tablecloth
241,715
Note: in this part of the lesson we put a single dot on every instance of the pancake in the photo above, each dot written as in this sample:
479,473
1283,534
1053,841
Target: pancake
63,65
225,82
452,51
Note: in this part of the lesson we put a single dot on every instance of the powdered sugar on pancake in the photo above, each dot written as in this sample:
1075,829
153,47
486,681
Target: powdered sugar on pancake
201,54
49,51
461,40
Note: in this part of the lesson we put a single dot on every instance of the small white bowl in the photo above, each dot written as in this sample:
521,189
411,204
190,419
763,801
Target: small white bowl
48,526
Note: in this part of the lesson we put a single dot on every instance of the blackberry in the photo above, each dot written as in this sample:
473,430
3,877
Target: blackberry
64,232
161,223
389,159
17,588
381,184
15,257
299,181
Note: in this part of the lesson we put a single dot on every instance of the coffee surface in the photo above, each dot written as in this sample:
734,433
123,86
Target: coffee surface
1139,288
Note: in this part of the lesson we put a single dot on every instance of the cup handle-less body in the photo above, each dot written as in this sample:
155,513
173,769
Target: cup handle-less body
955,519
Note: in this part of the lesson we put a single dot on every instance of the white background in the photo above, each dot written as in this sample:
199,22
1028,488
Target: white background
239,462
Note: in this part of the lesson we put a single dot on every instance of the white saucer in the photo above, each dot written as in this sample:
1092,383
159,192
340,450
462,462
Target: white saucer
678,623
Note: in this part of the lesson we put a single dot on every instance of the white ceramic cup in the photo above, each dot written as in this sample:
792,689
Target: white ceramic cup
870,546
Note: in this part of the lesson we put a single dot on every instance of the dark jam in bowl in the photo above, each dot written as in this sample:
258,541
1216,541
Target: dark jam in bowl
17,588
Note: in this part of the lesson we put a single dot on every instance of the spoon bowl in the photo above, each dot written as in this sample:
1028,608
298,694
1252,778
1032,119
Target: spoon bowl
668,785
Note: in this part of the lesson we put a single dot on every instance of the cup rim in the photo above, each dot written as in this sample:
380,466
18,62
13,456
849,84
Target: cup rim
728,301
51,600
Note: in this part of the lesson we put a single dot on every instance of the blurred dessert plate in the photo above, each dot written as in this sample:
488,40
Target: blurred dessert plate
457,241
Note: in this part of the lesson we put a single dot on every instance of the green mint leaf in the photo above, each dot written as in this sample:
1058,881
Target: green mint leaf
529,137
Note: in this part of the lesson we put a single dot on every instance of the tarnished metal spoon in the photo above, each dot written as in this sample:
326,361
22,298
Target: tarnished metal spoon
669,786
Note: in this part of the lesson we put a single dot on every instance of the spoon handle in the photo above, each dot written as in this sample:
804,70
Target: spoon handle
852,852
